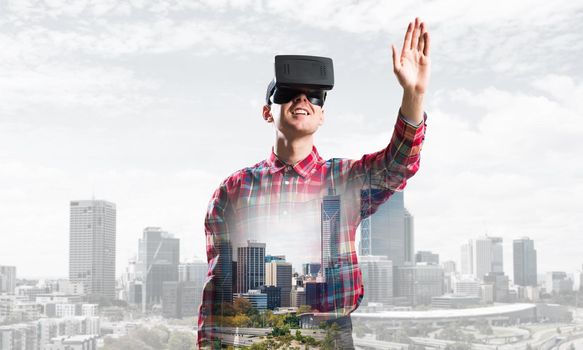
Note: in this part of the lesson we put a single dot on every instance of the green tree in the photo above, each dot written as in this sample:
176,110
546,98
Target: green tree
181,341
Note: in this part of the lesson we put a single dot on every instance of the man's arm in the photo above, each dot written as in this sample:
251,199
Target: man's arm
219,256
378,175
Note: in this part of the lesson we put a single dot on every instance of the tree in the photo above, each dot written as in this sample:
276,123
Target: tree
242,306
181,341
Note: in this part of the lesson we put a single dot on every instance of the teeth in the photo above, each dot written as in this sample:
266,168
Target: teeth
300,111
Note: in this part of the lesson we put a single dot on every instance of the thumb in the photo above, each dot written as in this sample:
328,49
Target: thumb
396,60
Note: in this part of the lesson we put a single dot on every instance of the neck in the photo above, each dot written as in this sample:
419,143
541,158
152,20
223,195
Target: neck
293,151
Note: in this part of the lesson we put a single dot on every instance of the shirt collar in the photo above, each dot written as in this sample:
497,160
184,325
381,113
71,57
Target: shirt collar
303,167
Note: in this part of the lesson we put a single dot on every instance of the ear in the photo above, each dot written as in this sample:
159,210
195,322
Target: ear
267,116
322,118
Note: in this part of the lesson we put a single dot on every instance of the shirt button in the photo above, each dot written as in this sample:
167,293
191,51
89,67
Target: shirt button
286,182
288,168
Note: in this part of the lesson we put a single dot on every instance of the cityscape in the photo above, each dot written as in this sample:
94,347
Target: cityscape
412,298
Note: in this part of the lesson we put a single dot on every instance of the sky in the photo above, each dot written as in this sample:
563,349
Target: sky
150,104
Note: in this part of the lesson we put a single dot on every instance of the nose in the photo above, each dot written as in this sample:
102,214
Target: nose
301,97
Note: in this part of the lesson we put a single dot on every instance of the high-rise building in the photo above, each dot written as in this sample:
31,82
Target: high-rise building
525,268
180,299
330,230
488,256
500,284
557,282
449,266
158,259
250,266
270,258
409,237
377,276
195,271
311,269
383,233
92,231
7,279
417,284
279,273
424,256
467,258
273,296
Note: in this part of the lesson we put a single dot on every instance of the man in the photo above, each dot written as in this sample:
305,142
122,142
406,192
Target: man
296,204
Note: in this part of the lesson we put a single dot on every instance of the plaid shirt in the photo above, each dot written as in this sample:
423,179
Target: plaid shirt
268,200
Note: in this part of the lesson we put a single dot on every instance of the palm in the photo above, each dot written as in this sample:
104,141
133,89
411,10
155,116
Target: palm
412,66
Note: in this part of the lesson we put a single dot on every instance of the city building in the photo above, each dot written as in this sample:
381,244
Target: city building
180,299
525,268
467,258
428,257
377,276
466,285
7,279
500,283
449,266
250,266
273,296
557,282
257,299
383,233
271,258
488,256
409,236
417,284
330,231
311,269
279,273
158,259
92,232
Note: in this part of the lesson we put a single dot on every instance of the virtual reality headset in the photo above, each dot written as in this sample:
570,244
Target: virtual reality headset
296,74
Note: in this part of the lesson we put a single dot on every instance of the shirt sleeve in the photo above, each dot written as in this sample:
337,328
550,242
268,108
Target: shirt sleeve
219,256
376,176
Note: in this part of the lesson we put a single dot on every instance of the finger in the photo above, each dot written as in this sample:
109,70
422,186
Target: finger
407,41
427,47
415,35
396,60
421,43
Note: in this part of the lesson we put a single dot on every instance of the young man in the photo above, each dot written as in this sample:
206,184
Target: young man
296,204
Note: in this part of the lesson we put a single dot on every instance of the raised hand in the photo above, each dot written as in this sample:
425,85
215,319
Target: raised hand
412,67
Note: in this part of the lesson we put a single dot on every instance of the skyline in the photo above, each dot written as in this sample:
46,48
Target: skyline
127,101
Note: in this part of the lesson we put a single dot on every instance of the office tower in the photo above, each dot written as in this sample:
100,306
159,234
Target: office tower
316,295
449,267
159,255
273,296
180,299
311,269
250,266
383,233
92,230
279,273
497,254
195,271
525,269
417,284
500,284
298,296
7,279
377,276
424,256
466,285
330,230
467,258
257,299
488,256
409,236
557,282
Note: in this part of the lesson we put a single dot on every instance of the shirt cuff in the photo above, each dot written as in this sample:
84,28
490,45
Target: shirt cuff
404,119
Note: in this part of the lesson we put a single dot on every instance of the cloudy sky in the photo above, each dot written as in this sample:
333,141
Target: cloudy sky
150,104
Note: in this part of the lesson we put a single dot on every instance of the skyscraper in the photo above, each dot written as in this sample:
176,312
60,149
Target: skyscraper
279,274
377,276
158,259
7,279
409,236
467,258
524,255
424,256
92,230
383,233
250,266
330,231
488,256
